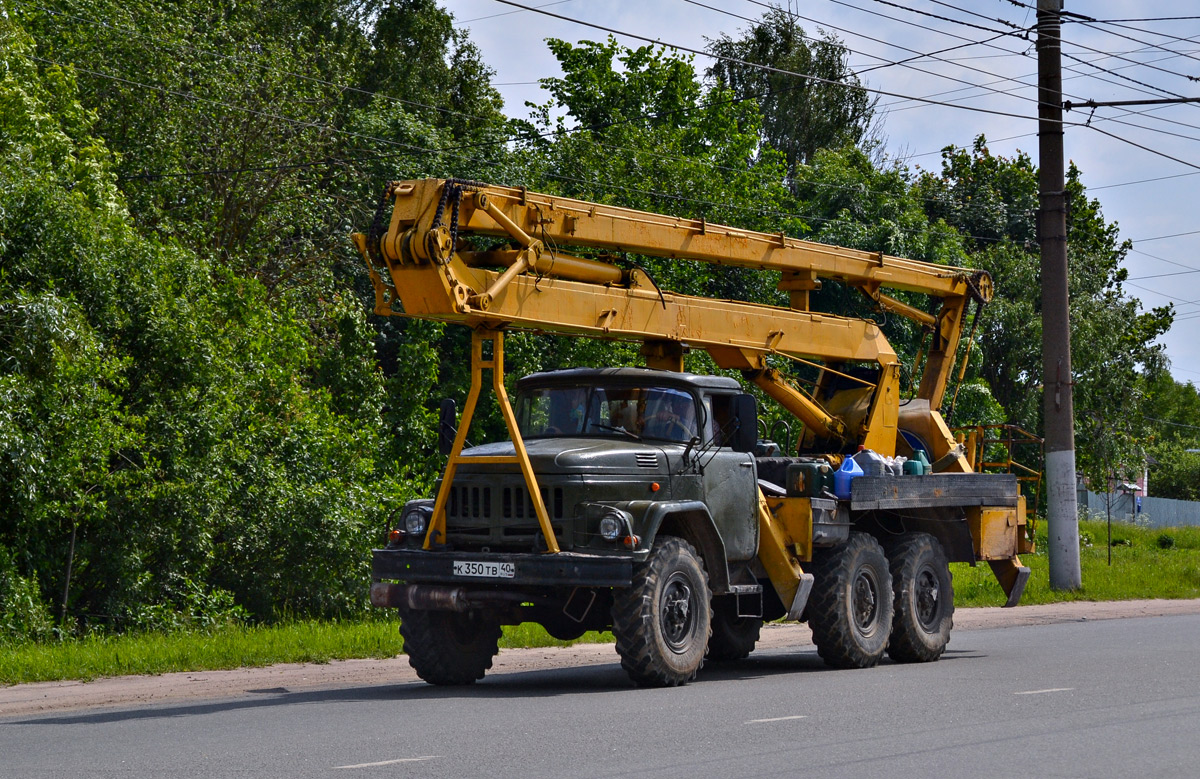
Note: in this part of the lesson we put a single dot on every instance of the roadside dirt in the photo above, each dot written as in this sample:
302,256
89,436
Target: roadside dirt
40,698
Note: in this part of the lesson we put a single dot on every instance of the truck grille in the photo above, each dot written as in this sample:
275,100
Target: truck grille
647,460
470,501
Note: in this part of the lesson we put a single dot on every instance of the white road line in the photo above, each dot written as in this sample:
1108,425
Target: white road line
387,762
1039,692
775,719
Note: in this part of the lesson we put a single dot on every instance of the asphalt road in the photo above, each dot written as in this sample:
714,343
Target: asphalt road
1086,699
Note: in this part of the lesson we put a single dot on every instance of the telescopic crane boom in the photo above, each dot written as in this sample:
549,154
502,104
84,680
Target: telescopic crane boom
423,264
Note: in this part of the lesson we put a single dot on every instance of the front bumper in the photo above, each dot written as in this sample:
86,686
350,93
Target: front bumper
564,569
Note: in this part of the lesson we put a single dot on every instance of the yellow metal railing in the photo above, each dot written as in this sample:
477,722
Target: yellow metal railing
1006,449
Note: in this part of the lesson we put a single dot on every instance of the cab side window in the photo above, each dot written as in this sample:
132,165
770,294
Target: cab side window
723,424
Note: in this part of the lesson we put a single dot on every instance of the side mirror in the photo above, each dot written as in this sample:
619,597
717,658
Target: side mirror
746,435
447,429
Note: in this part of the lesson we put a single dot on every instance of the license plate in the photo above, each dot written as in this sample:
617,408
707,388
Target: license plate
486,570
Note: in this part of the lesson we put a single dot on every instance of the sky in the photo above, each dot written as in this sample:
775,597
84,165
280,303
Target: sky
1154,59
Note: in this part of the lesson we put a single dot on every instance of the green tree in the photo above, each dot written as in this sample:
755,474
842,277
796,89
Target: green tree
1173,414
800,115
173,446
992,201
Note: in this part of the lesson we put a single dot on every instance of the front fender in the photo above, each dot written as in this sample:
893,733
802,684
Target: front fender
686,519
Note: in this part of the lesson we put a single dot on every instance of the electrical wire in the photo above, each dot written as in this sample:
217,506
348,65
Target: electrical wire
1164,259
1162,154
504,13
1121,76
1136,21
1164,237
938,16
1123,58
1002,92
1148,44
919,54
227,171
409,147
370,93
758,66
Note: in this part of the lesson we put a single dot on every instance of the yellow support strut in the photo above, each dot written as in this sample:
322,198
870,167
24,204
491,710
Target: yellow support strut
479,363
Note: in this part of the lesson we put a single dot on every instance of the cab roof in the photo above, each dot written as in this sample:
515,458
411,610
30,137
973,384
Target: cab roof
692,381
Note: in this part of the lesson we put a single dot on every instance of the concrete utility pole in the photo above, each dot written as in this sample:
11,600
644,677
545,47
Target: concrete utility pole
1061,504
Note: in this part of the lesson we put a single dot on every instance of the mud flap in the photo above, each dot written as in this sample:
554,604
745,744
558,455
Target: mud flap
802,593
1012,577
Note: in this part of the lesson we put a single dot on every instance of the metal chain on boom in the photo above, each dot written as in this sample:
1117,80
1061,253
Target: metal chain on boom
377,230
452,193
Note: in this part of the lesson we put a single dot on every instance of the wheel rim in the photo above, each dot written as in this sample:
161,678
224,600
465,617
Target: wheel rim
927,592
677,615
865,601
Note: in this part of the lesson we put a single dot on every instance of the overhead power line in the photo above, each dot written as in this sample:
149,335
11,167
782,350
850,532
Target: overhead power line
1164,259
917,54
768,68
227,171
458,23
1134,21
1149,44
446,111
1019,81
954,21
1162,154
1164,237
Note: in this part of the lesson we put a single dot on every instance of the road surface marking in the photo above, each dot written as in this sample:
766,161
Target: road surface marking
387,762
1039,692
775,719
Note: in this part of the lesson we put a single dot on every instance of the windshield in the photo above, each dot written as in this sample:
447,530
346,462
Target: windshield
661,413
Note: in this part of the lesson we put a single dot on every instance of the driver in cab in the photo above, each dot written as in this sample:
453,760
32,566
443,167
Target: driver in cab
674,419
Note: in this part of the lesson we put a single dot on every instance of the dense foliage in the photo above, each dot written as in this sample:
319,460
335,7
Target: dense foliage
198,420
172,446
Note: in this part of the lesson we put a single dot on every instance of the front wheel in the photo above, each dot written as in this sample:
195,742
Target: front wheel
924,599
662,621
850,610
447,647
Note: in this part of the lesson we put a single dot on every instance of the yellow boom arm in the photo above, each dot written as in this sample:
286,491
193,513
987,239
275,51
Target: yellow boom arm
423,262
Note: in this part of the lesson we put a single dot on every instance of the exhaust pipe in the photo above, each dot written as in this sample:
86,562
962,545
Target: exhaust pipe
418,597
432,597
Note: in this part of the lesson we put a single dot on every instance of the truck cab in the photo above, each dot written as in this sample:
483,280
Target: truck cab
622,457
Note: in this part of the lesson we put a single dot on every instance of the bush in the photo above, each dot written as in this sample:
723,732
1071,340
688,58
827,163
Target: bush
24,616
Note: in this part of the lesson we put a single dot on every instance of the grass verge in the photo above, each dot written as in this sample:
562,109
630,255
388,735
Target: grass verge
227,647
1145,564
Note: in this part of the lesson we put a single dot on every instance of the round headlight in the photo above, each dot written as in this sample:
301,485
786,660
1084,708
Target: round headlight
414,522
610,528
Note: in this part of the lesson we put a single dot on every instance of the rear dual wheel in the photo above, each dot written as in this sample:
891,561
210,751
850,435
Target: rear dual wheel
733,637
924,599
850,608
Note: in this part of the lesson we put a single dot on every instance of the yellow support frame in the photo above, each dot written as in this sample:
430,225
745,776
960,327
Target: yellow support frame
480,363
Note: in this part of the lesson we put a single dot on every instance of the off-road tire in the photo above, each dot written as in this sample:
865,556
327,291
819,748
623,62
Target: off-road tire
447,647
733,637
924,599
662,622
850,609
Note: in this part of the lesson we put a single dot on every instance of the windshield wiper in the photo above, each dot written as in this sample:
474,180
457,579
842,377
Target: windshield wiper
632,435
